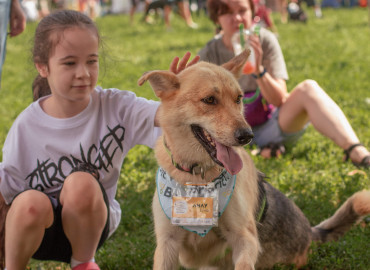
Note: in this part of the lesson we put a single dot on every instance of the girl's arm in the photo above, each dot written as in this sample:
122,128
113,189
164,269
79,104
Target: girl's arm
176,66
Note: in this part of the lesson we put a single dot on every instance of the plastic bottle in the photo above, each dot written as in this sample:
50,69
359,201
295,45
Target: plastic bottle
240,41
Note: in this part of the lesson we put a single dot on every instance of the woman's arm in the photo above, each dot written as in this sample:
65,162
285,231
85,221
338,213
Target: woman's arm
273,90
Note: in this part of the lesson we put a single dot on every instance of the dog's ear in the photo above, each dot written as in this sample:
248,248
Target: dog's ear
236,64
163,82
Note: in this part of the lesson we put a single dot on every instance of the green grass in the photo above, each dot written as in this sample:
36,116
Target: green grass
334,51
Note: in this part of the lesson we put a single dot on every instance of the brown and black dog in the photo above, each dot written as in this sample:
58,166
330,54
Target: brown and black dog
204,132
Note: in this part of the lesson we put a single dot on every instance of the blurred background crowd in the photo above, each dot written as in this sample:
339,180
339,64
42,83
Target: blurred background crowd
36,9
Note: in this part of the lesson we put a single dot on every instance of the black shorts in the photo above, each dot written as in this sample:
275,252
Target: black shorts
55,246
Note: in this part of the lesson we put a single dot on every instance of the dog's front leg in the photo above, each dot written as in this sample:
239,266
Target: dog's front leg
245,253
168,238
166,255
245,246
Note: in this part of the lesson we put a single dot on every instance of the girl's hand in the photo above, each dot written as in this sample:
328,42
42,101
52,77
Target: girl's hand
176,66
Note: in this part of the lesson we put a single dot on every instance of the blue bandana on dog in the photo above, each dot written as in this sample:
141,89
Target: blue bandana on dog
166,185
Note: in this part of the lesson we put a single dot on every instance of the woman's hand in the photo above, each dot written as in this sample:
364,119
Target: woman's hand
176,66
254,41
273,90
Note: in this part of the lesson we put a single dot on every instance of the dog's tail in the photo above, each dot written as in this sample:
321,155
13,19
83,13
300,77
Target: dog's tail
351,212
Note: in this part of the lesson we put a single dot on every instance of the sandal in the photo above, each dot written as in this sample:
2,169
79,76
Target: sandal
365,162
274,148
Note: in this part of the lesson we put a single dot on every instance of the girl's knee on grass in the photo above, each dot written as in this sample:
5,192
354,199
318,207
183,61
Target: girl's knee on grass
82,192
29,215
30,208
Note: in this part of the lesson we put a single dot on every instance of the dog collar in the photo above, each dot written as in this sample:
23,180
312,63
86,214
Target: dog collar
194,169
166,185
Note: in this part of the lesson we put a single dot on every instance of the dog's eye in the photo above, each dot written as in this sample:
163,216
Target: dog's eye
239,99
210,100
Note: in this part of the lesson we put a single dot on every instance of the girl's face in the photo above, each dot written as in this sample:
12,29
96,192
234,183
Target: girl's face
240,13
72,71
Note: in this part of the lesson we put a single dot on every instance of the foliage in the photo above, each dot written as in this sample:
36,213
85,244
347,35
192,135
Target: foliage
333,51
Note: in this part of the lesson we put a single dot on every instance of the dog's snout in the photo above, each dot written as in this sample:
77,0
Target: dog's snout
244,135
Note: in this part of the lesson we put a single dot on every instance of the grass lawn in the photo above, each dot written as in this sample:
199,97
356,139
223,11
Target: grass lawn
334,51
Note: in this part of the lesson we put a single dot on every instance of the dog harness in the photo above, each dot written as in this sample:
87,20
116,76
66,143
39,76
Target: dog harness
166,186
262,198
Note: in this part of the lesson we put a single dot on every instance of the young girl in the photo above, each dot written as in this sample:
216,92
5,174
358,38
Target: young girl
63,154
278,117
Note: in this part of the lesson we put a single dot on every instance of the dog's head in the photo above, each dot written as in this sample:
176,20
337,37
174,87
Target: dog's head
204,102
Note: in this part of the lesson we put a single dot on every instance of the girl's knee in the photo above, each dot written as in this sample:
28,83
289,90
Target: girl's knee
32,207
81,191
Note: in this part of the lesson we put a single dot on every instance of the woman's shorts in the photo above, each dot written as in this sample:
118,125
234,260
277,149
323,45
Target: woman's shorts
55,245
270,132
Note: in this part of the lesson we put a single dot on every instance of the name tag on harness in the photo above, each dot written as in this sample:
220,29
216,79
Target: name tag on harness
199,209
195,208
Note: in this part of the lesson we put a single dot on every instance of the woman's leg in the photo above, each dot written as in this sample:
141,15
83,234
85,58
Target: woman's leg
186,14
167,15
309,102
282,7
30,214
84,214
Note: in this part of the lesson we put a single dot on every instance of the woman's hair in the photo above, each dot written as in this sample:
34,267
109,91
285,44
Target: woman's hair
48,34
216,8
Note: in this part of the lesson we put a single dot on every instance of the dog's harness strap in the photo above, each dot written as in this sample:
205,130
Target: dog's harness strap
262,209
261,213
173,162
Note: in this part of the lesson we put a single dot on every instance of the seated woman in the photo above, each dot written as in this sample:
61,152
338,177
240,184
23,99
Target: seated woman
276,116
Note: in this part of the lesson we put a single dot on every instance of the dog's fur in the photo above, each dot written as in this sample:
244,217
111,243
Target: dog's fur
208,96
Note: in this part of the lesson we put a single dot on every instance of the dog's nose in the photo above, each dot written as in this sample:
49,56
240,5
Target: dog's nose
243,135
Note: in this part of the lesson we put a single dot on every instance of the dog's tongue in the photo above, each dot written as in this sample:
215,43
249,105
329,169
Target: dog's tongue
229,158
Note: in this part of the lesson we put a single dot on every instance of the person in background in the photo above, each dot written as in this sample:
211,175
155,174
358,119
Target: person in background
277,117
282,6
89,7
134,5
315,4
10,13
262,16
43,8
184,10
